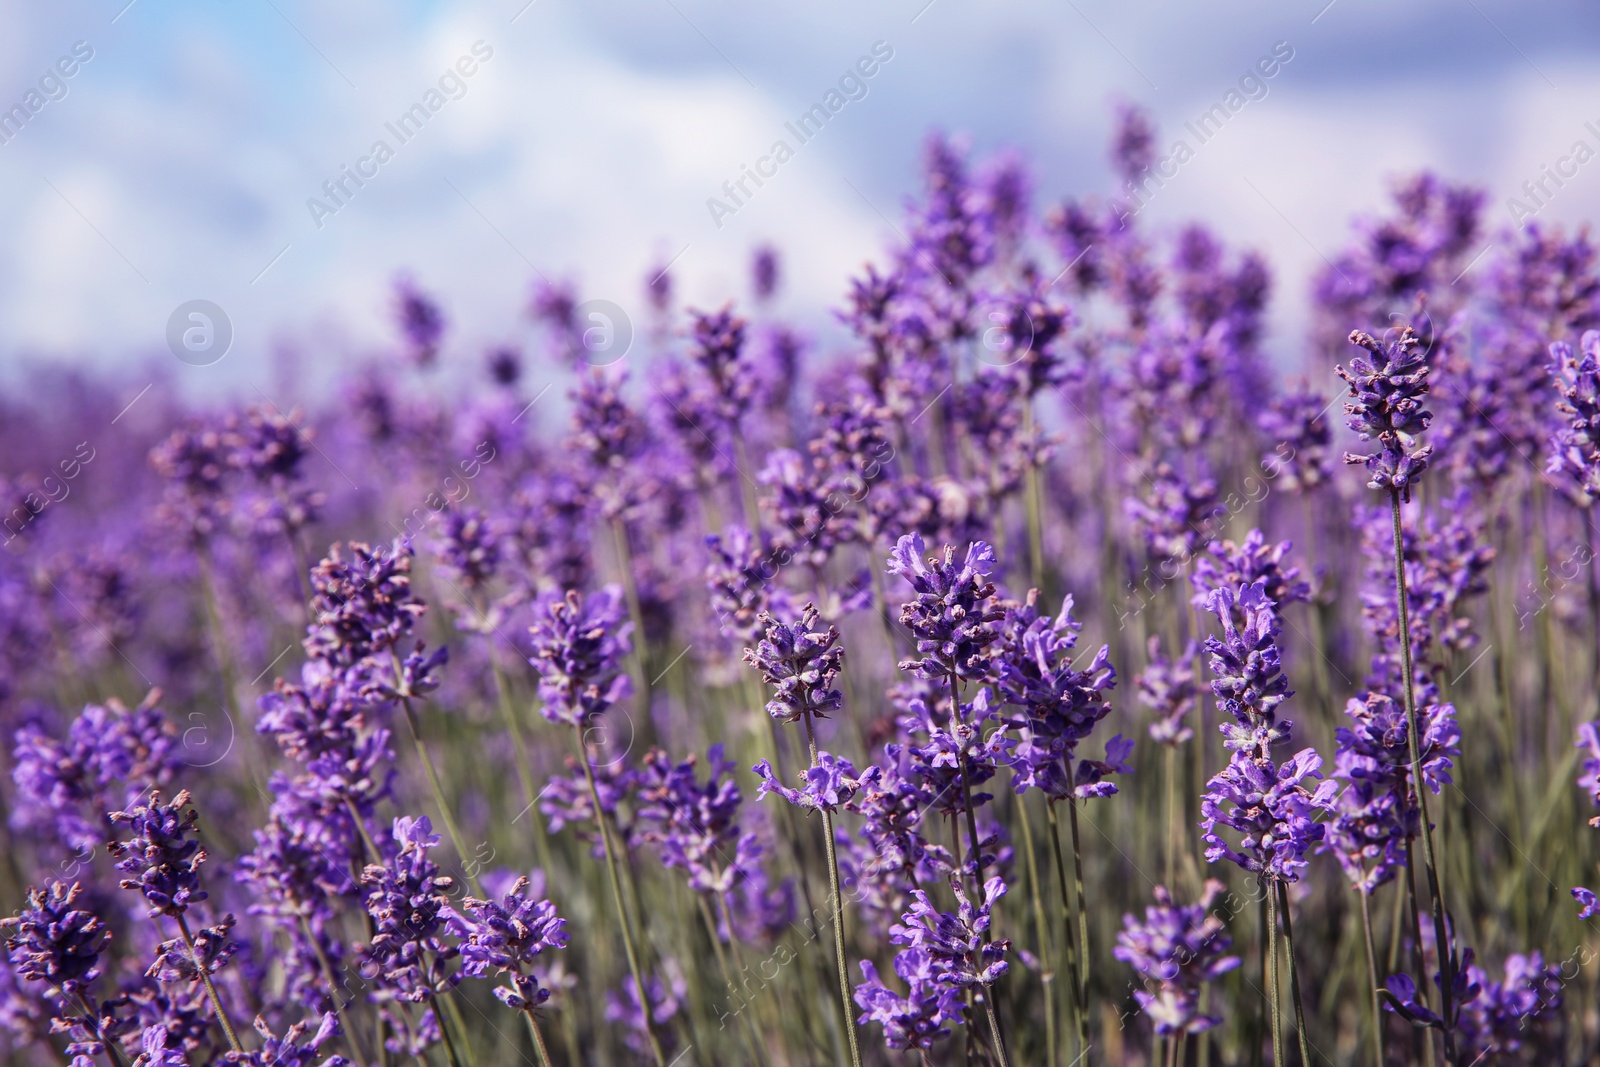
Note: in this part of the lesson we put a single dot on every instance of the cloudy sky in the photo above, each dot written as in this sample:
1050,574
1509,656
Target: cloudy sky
179,163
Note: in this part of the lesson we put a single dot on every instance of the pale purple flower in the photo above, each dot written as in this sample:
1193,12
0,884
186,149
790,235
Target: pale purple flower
1177,950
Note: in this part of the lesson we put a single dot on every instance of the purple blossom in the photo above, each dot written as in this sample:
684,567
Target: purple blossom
163,853
408,900
666,1000
800,662
1274,814
952,616
508,936
1296,425
1229,566
213,948
54,941
695,827
420,320
1388,392
1167,687
362,605
919,1019
1060,706
959,950
1248,681
830,783
764,272
291,1050
1176,951
1175,515
1575,444
579,644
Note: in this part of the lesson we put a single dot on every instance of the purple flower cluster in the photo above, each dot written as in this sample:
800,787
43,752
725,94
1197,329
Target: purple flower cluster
1388,392
1059,705
800,662
507,937
1176,951
952,615
579,643
946,952
1575,444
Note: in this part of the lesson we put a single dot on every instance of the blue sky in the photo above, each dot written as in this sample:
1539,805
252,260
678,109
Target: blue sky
179,163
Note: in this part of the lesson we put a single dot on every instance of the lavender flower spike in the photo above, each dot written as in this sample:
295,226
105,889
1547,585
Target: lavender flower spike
1388,392
1176,951
579,644
952,623
800,661
162,855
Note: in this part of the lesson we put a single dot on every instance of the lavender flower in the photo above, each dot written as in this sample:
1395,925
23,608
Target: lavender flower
1229,566
54,941
959,951
1249,682
1167,687
420,320
163,854
1176,951
1275,815
1060,706
1389,391
363,605
666,1000
950,617
409,902
695,827
508,936
579,644
919,1019
1575,446
830,783
1295,424
800,662
291,1050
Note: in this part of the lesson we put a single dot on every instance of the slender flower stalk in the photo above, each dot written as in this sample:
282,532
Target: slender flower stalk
1389,391
579,645
801,662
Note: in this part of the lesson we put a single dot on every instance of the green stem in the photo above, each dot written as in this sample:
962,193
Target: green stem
1372,980
438,790
616,897
1294,975
1080,1010
1274,995
994,1025
1413,741
1041,942
845,999
205,980
538,1038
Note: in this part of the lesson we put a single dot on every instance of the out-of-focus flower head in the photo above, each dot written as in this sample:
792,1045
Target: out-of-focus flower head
1176,951
579,643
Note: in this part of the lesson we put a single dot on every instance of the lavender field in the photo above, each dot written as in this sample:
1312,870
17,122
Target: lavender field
1042,670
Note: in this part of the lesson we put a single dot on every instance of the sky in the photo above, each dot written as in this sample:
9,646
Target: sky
181,159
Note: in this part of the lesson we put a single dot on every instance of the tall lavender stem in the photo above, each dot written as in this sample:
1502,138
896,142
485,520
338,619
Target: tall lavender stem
604,822
837,898
1414,745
